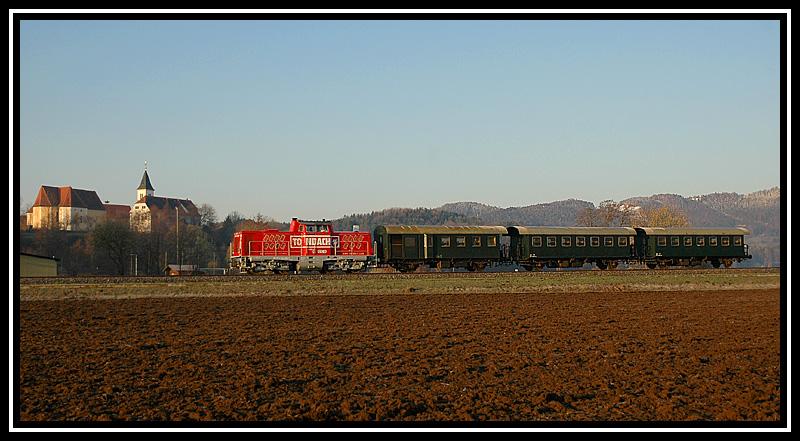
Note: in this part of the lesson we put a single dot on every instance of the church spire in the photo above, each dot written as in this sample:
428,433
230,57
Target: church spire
145,187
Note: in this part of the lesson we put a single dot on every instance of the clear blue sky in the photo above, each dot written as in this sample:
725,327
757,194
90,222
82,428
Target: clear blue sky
326,118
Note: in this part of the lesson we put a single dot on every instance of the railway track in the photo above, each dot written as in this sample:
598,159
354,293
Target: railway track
93,279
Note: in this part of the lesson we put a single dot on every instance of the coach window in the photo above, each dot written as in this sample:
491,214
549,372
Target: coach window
551,241
446,242
608,241
662,241
461,241
701,241
491,241
580,241
594,241
712,241
687,241
410,241
476,241
536,241
675,241
726,241
429,241
737,240
622,241
566,241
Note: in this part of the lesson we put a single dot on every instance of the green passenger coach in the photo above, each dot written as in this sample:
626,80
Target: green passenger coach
565,247
406,247
662,247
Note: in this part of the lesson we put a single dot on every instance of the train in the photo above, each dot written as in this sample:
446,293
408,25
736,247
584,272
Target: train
314,245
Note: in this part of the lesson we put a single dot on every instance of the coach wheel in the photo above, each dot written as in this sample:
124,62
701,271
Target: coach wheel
601,264
715,263
728,263
651,265
528,267
612,264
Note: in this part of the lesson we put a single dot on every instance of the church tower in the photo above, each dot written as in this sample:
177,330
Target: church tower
145,188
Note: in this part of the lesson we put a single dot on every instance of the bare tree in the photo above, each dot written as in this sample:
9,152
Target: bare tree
589,217
114,241
208,215
664,216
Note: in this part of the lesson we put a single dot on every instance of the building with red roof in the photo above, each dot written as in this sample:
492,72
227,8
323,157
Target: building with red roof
66,208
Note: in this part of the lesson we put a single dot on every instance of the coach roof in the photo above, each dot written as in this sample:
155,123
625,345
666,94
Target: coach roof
662,231
442,229
575,231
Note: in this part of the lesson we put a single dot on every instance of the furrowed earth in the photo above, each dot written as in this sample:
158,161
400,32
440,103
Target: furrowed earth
476,347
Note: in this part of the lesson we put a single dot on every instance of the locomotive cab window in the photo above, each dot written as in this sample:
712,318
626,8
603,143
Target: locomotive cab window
687,241
662,241
476,241
737,240
311,229
566,241
461,241
551,241
536,241
580,241
608,241
622,241
323,228
701,241
726,241
675,241
712,241
594,241
445,242
491,241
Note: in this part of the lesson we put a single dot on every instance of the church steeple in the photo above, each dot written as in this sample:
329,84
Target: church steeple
145,188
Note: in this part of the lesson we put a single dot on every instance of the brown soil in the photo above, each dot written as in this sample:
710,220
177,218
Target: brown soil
667,356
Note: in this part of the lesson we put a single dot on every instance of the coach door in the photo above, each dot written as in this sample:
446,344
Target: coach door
396,242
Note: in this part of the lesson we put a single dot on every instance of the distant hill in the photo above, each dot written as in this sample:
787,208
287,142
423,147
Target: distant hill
403,216
559,213
758,211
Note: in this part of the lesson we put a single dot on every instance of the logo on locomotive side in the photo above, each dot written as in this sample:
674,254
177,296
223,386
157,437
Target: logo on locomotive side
314,241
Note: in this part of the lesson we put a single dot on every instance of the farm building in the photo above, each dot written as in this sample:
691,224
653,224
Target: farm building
31,265
180,270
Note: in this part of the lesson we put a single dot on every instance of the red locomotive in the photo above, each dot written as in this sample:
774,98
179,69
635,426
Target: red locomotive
308,245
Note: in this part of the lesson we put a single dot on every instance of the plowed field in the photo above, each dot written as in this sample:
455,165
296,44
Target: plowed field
504,356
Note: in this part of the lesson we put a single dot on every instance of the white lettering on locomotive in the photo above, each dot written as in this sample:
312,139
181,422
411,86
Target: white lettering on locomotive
313,241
